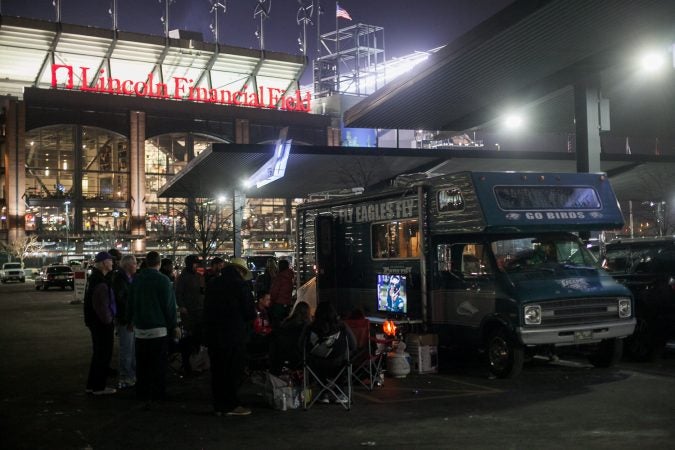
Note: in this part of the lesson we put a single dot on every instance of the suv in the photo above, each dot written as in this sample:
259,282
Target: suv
647,267
12,271
55,275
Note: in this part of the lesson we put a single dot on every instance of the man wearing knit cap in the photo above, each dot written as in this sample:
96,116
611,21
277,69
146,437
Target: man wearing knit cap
117,257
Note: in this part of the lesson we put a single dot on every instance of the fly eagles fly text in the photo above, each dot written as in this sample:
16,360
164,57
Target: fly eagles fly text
181,88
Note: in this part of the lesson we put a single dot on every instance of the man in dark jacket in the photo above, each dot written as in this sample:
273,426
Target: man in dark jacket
151,310
228,311
99,312
189,289
121,282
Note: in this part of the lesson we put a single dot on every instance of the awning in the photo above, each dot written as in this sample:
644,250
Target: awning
528,57
313,170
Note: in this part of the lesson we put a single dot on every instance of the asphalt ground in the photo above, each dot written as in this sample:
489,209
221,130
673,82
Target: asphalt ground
551,405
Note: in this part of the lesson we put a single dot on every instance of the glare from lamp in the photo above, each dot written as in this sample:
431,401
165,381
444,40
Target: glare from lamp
652,62
513,121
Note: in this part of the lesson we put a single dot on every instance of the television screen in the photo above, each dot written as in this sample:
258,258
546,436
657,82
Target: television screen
392,295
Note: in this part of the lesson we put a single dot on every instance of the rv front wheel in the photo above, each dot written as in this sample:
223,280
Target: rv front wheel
607,353
505,355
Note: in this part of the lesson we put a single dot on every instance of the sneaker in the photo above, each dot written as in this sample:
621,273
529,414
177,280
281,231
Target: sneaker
325,399
239,411
88,391
126,384
342,399
106,391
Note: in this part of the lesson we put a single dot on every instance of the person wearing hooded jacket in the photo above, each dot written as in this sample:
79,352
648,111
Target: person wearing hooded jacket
189,287
99,313
151,311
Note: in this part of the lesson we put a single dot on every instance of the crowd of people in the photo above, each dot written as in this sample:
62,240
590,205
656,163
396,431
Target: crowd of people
222,311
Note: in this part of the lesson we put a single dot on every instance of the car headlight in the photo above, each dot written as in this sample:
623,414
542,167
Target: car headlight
625,309
532,315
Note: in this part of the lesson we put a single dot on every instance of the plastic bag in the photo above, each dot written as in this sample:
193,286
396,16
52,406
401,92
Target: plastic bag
280,395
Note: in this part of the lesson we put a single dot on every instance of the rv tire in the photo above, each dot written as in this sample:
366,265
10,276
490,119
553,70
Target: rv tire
505,355
607,353
644,344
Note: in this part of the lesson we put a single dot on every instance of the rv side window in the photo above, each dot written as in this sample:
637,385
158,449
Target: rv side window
397,239
464,260
541,253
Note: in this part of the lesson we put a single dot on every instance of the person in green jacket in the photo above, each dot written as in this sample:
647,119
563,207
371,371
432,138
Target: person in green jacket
151,311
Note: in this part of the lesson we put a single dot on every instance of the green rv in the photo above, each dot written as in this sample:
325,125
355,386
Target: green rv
490,260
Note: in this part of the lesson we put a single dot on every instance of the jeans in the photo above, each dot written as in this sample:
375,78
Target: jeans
102,337
127,355
151,364
227,373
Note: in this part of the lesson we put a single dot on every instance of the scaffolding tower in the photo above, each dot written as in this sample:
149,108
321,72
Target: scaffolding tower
354,61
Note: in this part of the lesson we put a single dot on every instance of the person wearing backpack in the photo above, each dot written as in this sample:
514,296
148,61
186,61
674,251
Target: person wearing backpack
326,341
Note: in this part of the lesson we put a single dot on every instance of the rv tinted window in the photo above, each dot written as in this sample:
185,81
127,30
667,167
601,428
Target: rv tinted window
546,197
450,200
398,239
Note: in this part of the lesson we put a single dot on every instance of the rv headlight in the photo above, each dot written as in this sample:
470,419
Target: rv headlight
625,309
532,315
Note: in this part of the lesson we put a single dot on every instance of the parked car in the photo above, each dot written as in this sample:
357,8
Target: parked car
12,271
257,264
55,275
647,268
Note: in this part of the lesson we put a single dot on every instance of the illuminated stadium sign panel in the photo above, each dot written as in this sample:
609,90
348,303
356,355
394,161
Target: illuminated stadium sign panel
179,88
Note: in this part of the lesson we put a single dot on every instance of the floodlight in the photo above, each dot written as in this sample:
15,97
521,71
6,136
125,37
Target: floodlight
513,121
652,62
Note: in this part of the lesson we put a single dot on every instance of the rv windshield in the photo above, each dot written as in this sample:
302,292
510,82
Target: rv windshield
542,253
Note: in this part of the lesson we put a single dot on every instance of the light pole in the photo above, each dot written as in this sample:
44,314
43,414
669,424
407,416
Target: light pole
67,203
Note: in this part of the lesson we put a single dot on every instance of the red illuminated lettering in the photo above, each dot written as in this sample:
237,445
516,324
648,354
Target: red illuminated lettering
126,87
178,87
183,89
69,71
84,86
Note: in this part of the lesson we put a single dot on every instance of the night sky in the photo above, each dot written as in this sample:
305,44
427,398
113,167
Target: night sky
408,25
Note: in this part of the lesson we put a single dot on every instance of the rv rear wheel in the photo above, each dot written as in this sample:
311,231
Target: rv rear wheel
644,344
505,355
607,353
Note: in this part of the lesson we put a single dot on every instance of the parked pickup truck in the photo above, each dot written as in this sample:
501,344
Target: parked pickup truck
12,271
647,267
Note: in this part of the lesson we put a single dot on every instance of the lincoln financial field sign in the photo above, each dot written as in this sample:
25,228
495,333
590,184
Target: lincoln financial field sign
178,88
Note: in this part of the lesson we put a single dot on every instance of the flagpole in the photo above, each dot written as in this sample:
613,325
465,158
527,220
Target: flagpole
337,51
318,30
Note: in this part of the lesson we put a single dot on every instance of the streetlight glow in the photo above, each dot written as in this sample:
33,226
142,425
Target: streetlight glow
513,121
652,62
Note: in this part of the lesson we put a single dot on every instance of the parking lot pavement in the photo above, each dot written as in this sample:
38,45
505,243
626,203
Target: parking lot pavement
551,405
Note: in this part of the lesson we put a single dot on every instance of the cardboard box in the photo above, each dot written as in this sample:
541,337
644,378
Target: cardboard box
422,339
424,358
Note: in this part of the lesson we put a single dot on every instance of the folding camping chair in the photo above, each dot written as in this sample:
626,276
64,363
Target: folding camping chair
368,359
325,363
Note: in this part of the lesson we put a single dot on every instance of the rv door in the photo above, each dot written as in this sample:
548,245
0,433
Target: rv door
325,257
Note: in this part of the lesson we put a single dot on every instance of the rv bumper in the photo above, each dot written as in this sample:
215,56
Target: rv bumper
576,334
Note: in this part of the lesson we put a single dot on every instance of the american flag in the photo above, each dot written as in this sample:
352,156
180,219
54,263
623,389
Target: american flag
341,12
